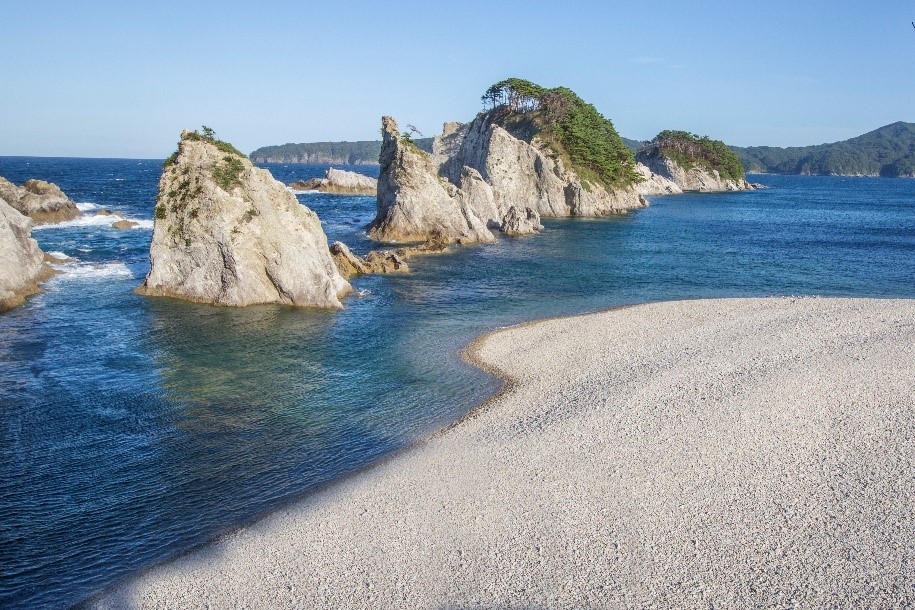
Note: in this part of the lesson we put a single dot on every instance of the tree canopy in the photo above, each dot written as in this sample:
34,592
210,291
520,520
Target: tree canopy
690,150
571,127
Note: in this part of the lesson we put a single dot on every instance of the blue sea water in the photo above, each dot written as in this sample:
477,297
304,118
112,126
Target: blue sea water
134,428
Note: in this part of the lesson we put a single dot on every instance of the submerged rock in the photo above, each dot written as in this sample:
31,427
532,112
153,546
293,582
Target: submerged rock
41,201
228,233
21,260
517,222
340,182
351,265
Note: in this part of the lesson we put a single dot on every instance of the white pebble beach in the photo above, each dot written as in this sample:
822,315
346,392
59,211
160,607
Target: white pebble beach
725,453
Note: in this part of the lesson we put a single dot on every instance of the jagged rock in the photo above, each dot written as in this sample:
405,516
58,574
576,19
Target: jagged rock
697,178
41,201
227,233
414,202
476,173
351,265
339,182
516,223
655,184
21,260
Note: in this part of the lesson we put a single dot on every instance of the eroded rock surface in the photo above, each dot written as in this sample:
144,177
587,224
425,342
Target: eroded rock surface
477,172
521,222
339,182
414,202
350,264
21,260
228,233
41,201
697,178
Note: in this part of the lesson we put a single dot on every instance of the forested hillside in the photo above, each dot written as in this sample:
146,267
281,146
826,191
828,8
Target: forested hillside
888,151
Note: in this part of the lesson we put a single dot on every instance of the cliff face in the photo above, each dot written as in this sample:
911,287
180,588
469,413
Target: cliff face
477,172
21,260
697,178
41,201
415,203
227,233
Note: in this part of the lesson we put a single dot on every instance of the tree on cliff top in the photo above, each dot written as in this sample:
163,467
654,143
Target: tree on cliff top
571,127
690,150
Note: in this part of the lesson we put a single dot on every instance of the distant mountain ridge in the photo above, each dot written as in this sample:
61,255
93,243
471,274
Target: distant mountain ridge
888,151
364,152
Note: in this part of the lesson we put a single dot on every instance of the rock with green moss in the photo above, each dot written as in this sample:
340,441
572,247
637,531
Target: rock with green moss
228,233
540,149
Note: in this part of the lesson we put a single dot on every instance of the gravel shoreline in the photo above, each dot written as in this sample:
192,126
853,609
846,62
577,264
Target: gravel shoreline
724,453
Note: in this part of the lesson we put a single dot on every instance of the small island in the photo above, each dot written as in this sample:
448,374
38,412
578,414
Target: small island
228,233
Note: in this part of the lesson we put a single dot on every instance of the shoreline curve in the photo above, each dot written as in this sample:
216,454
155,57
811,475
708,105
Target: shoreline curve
732,452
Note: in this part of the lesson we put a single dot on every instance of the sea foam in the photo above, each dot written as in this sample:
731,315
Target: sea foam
92,271
87,220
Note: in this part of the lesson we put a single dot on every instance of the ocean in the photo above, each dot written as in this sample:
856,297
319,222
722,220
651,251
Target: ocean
133,429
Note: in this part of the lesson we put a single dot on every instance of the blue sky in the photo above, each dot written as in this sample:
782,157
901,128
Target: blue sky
121,79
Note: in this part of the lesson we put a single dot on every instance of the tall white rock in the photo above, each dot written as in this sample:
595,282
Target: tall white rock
21,260
415,203
228,233
476,174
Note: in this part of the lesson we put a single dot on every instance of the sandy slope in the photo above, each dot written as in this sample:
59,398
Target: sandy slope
701,454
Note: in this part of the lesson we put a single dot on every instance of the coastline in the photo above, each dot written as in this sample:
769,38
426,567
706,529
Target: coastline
568,487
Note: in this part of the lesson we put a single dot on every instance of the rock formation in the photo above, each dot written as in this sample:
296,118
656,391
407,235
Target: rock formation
21,260
655,184
350,264
697,178
414,202
690,162
517,222
41,201
340,182
227,233
477,172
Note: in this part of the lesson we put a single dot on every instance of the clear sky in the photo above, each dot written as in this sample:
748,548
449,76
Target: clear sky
121,79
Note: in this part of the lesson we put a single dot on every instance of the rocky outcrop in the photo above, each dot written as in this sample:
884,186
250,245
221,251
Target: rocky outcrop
698,178
227,233
655,184
374,262
340,182
414,202
41,201
477,172
21,260
517,222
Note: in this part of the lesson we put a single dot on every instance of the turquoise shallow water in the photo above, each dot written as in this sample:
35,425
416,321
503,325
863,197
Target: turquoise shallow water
133,429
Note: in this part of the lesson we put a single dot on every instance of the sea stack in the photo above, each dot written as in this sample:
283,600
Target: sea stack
692,163
21,260
414,202
41,201
228,233
526,152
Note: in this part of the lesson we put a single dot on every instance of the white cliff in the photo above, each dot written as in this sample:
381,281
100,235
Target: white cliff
228,233
477,173
21,260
